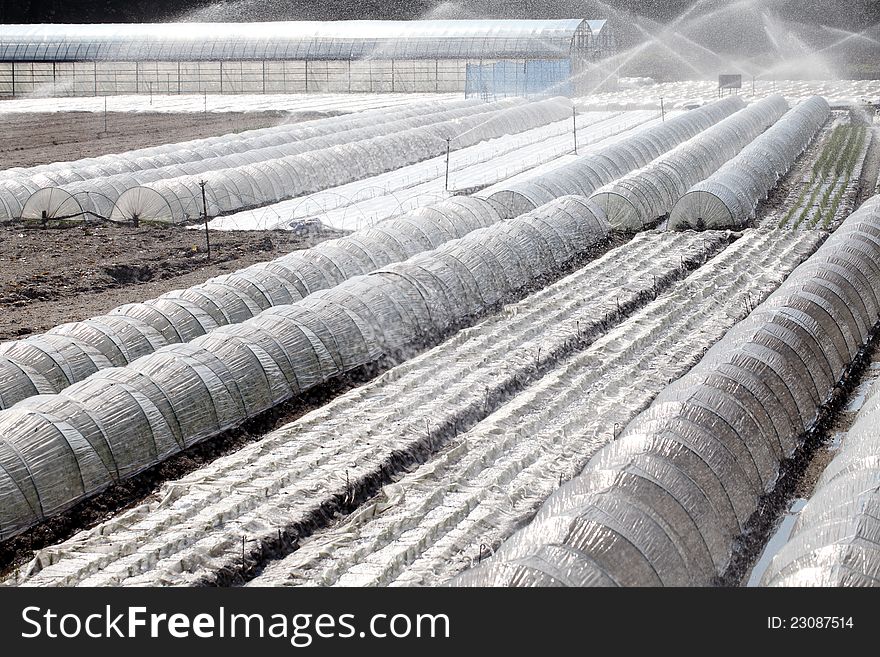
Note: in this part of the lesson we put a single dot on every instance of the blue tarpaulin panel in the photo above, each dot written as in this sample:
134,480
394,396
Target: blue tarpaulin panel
509,78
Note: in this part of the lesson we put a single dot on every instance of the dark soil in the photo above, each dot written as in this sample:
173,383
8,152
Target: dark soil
49,276
42,138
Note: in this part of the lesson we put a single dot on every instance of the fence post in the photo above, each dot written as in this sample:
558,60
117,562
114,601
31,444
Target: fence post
447,162
205,214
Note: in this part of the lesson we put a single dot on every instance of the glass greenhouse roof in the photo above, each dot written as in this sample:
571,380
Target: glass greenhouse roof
328,40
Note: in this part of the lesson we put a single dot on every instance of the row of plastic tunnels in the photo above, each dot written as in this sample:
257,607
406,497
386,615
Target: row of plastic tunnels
91,403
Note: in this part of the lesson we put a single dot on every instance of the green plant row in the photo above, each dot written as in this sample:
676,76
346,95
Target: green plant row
838,159
831,145
808,207
830,152
843,167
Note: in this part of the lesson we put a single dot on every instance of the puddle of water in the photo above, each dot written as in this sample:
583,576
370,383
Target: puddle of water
857,397
835,441
779,538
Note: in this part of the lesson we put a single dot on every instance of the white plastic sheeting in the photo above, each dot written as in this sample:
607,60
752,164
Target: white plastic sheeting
836,539
58,449
363,202
205,147
586,174
728,198
113,173
287,176
252,152
643,196
190,103
124,170
632,93
69,353
295,470
427,526
664,503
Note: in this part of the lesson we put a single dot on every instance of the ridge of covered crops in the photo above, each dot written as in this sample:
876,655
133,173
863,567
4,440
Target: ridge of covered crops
665,503
58,449
836,539
644,195
235,188
728,198
49,362
108,173
586,174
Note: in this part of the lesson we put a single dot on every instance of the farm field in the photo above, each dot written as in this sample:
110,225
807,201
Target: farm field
638,92
220,104
30,139
411,366
54,276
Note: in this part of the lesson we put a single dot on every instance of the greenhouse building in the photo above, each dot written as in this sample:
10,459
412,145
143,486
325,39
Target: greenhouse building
487,57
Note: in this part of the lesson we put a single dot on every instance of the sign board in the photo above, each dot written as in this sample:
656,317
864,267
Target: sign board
730,81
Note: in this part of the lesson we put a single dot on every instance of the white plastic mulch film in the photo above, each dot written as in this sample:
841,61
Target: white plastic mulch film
664,503
58,449
728,198
259,167
645,195
50,362
588,173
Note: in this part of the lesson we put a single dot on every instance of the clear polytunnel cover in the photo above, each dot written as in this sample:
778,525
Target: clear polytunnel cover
665,502
836,538
728,198
644,195
231,186
51,203
69,353
112,174
244,356
587,173
143,204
